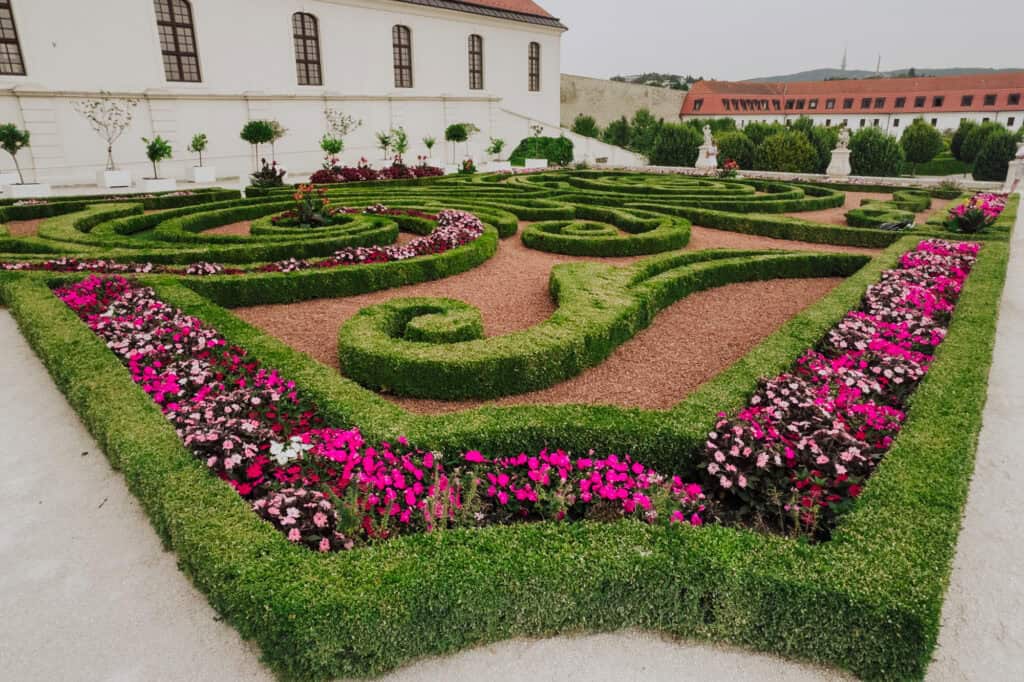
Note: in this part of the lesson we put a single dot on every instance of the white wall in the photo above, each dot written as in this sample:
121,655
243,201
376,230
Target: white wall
75,49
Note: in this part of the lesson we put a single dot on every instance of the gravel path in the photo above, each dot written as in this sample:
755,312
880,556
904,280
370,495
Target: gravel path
837,216
24,228
242,229
687,344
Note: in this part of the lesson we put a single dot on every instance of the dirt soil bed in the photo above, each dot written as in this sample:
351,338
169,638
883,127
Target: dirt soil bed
688,343
24,228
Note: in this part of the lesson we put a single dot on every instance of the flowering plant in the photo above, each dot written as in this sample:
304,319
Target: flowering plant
729,169
269,175
976,213
798,455
468,167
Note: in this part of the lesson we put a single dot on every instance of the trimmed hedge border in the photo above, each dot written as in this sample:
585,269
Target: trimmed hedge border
365,612
599,309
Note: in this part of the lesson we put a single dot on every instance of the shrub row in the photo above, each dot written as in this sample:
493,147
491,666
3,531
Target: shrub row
645,233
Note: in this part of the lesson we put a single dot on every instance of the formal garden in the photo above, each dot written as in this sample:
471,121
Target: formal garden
802,497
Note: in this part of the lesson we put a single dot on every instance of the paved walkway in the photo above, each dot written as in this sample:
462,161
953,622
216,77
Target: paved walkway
87,592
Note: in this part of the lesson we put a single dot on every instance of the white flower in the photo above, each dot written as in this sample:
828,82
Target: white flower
282,453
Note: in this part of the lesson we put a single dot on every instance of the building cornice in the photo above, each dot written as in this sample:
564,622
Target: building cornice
471,8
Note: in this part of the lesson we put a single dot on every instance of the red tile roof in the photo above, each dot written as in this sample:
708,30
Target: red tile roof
957,93
519,6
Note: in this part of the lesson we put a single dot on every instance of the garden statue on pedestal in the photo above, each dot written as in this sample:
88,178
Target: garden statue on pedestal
1015,172
840,165
708,157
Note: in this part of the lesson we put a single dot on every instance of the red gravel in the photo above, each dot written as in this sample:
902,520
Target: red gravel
24,228
837,216
655,369
240,229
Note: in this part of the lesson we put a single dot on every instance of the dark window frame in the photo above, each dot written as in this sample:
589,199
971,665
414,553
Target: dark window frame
800,104
966,100
938,100
475,47
813,104
848,103
865,102
401,53
13,61
1013,99
901,102
698,104
990,100
306,36
919,101
830,103
879,103
533,64
727,104
178,60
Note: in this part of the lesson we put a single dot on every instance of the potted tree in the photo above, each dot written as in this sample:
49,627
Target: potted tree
429,141
157,150
339,125
495,149
13,139
384,142
277,131
256,133
109,117
201,173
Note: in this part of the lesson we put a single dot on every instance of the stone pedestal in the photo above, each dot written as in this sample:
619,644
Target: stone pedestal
707,160
840,166
1015,176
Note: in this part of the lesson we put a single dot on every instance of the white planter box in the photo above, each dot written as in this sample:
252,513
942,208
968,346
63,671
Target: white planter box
9,179
498,166
112,179
201,174
160,185
35,190
535,163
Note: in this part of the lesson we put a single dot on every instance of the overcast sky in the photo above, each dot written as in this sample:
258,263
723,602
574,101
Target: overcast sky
737,39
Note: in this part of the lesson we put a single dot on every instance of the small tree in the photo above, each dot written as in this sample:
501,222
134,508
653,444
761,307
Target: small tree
497,144
460,132
384,142
787,152
617,133
959,136
277,132
13,139
675,145
157,150
873,152
109,117
975,140
736,146
643,130
198,146
429,141
256,133
331,147
339,123
399,140
921,143
993,160
586,126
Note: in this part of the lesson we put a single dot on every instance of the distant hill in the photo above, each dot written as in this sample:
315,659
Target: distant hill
854,74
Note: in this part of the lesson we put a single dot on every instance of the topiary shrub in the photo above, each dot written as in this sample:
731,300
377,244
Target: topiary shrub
643,131
875,153
994,158
676,145
921,143
959,136
617,133
975,140
586,126
557,150
759,132
789,152
736,146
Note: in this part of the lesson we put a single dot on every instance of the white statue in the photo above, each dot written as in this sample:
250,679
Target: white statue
707,159
844,138
1020,150
708,140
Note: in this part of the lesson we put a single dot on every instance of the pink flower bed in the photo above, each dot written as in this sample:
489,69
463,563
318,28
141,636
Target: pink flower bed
978,212
326,488
798,455
454,229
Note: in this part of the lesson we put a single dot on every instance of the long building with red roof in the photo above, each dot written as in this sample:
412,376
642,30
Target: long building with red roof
887,103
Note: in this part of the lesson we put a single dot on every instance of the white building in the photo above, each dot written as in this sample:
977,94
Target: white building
211,65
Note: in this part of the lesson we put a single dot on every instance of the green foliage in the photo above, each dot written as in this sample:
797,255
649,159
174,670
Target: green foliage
586,126
456,132
258,132
736,146
331,146
675,145
921,142
872,152
157,150
496,146
617,133
429,141
975,139
824,140
384,141
994,158
643,131
788,152
718,125
557,150
618,232
956,143
759,132
399,140
198,145
12,140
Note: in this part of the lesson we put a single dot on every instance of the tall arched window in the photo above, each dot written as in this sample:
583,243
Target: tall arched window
534,67
177,40
307,48
401,44
476,62
11,62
